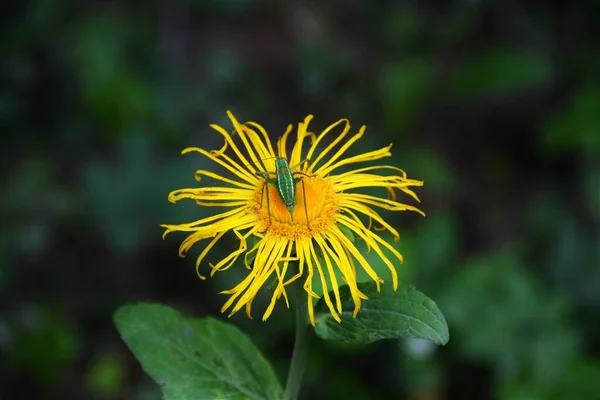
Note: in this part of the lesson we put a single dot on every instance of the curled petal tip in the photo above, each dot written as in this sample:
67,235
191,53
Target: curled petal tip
188,150
165,233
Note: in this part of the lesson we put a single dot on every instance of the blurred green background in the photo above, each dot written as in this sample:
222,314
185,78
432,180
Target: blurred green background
495,104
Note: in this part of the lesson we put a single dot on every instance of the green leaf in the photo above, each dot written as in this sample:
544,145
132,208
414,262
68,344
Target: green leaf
195,358
405,313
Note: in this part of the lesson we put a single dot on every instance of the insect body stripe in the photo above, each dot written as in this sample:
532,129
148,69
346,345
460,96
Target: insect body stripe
290,190
285,181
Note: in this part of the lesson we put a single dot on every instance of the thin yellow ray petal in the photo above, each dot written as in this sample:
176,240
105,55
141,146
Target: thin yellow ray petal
192,226
348,272
394,181
310,309
365,182
379,202
391,249
271,306
305,247
369,156
340,151
349,210
216,197
190,240
368,237
369,212
225,263
265,271
257,141
296,155
282,142
218,190
349,246
263,152
244,185
249,308
286,264
228,261
280,290
249,175
311,136
316,143
410,192
197,236
347,178
207,232
251,251
324,285
209,194
245,218
241,287
234,147
280,272
237,290
205,252
264,253
239,172
224,204
264,264
370,168
326,251
242,134
248,233
265,136
301,260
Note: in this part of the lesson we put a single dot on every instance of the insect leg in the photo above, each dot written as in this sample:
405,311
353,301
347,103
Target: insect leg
304,198
262,194
301,180
265,188
304,174
299,164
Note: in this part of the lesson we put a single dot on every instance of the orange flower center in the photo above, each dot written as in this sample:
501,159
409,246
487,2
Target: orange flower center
315,198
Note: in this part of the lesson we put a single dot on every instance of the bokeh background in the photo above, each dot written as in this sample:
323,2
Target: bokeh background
495,104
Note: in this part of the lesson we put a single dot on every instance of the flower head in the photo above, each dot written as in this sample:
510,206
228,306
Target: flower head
293,208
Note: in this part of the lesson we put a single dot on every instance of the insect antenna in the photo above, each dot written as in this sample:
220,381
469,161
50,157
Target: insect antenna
260,161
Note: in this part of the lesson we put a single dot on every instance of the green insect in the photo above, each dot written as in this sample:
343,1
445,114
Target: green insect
285,182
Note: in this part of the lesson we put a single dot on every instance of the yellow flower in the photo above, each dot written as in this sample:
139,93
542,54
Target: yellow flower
256,210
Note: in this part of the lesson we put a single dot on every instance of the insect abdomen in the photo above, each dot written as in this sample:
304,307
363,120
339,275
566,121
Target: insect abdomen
285,182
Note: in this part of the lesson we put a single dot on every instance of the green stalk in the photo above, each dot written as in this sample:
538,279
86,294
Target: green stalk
298,363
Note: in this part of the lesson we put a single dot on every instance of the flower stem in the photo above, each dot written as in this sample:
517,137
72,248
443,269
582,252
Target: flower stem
298,362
